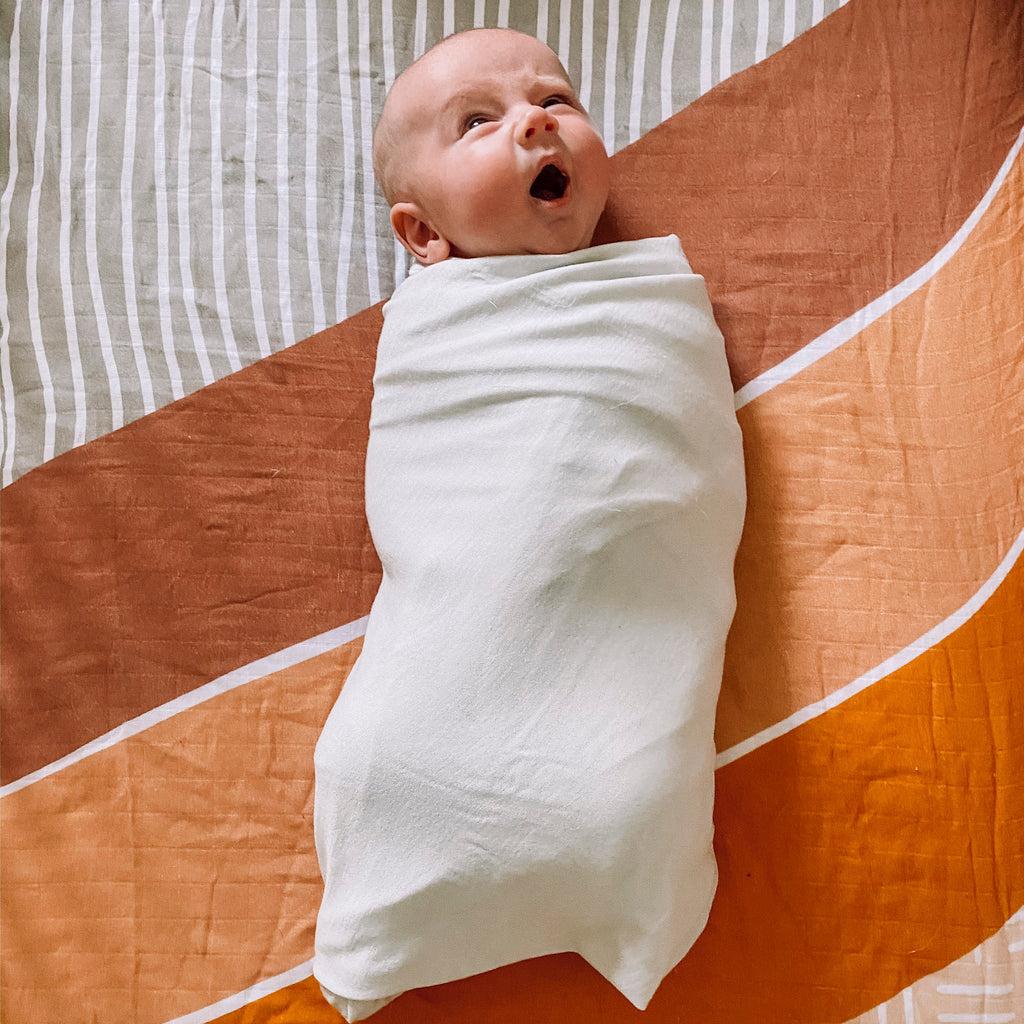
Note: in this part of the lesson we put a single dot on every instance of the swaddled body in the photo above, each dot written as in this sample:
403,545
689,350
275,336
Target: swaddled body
521,761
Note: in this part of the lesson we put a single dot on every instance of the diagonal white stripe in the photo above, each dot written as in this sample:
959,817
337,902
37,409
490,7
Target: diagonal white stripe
286,658
32,245
867,315
235,1001
917,647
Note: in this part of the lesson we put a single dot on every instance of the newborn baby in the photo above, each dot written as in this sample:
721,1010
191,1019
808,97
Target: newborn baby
521,761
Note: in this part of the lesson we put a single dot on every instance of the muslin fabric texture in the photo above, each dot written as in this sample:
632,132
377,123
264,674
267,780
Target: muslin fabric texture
521,761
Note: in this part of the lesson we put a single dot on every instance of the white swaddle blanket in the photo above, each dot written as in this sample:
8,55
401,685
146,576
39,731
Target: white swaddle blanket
521,761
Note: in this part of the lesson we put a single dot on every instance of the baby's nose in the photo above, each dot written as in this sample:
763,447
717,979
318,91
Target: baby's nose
536,119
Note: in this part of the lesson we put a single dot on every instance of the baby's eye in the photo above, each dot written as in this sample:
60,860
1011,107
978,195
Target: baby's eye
468,123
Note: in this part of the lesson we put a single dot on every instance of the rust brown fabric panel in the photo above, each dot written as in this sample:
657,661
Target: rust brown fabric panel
214,532
230,524
805,186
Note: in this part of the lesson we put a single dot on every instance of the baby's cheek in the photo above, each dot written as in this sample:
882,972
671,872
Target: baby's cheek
486,200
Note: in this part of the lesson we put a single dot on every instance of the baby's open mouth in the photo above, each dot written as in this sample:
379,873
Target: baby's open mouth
551,183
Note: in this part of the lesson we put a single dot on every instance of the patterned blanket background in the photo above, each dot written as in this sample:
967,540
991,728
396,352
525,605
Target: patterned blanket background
187,209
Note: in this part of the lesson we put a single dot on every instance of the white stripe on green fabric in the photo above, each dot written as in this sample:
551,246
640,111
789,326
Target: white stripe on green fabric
252,261
217,187
32,246
64,242
127,219
167,327
183,192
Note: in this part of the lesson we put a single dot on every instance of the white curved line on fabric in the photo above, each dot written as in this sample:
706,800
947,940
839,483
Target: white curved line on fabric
286,658
849,328
921,645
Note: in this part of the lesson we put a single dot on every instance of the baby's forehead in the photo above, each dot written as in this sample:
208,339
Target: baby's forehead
468,71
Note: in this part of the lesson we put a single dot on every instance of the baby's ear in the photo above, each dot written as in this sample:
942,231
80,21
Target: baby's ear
416,234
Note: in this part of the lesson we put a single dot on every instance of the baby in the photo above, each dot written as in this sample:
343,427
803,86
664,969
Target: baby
521,761
484,149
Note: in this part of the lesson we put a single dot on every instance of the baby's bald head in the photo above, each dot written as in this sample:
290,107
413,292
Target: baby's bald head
393,138
463,137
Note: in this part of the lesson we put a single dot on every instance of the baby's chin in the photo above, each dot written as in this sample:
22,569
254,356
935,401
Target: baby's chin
545,240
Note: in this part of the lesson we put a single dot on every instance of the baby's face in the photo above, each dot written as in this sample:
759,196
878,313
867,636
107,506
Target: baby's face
484,118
